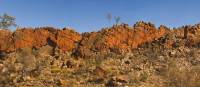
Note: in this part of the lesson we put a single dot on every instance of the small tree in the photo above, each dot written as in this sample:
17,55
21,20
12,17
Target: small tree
109,17
7,21
117,19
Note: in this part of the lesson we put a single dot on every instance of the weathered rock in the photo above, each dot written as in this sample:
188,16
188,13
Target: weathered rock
99,72
66,39
121,78
119,37
28,37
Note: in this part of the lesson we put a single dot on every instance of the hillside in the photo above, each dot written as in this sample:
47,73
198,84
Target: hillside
119,56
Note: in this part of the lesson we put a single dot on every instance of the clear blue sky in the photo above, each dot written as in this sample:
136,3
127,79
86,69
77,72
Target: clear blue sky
90,15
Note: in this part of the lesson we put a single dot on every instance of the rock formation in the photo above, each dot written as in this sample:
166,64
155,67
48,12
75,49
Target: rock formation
119,56
36,38
119,38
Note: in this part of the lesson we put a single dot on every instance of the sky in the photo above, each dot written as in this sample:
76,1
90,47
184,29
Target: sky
90,15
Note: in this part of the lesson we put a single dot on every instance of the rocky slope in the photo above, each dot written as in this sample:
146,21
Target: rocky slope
120,56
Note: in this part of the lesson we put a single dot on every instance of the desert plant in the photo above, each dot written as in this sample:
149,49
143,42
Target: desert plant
109,17
7,21
117,19
144,76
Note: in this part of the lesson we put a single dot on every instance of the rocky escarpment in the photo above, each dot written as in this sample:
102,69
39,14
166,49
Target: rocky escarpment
119,56
65,39
117,39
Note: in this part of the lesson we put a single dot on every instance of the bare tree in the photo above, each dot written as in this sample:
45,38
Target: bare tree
117,19
109,17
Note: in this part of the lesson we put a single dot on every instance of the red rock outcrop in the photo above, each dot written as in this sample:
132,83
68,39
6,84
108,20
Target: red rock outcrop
64,39
119,38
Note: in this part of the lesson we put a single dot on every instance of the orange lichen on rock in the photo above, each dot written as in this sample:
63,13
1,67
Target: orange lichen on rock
64,39
123,38
119,37
23,38
41,37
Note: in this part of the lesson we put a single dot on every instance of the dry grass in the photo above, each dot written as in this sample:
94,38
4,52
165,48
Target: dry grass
182,77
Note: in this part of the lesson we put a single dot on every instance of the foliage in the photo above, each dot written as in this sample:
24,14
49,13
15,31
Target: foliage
7,21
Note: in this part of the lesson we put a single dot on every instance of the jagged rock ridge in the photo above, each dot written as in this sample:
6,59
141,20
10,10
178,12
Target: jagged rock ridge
119,38
35,38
